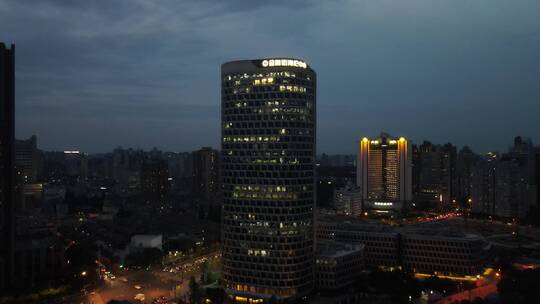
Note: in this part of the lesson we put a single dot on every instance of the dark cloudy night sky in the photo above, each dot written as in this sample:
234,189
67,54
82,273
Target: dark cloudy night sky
94,75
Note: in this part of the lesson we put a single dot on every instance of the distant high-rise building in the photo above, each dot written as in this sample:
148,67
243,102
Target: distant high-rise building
268,162
524,153
99,166
537,176
434,174
348,200
466,160
337,160
7,163
527,156
53,166
154,177
26,157
497,187
126,170
505,185
205,173
180,170
186,164
75,163
120,167
384,173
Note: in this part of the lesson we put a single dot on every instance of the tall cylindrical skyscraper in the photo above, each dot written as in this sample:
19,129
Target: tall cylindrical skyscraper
268,161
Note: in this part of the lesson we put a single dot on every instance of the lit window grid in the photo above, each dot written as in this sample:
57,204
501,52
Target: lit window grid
255,224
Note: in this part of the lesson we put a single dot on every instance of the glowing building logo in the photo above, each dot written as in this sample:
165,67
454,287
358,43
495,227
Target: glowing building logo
284,63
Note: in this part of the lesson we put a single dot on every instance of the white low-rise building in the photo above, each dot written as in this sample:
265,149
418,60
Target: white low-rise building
146,241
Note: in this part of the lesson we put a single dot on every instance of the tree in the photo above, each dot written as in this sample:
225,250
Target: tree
520,286
216,295
325,192
214,214
205,267
478,301
534,216
399,284
195,294
272,300
145,257
201,213
80,258
440,285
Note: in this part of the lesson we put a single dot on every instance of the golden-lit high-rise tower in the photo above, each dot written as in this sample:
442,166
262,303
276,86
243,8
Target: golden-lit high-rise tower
384,173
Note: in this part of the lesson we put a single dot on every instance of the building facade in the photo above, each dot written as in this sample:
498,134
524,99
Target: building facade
501,187
384,172
268,160
76,164
154,177
125,170
146,241
348,200
466,160
537,177
429,252
26,157
38,260
434,175
427,249
7,162
337,265
381,242
39,253
205,173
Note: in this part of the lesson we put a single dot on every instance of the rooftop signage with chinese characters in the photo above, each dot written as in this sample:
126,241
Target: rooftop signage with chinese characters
267,63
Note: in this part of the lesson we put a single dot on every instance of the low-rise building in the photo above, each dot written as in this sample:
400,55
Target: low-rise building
38,259
146,241
32,196
337,265
418,248
52,192
381,242
39,254
429,251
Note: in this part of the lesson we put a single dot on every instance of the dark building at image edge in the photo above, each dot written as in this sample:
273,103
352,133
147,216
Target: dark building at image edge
268,158
7,144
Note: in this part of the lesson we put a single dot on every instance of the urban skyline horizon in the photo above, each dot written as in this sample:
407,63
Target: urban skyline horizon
506,144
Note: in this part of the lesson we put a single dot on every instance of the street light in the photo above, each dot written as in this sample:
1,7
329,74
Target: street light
83,273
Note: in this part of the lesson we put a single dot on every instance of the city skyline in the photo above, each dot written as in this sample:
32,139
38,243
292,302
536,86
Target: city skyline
279,152
153,72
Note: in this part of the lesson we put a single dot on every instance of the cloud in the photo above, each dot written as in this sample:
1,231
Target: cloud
439,70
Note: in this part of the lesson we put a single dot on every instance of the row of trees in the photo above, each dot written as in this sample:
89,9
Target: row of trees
402,286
